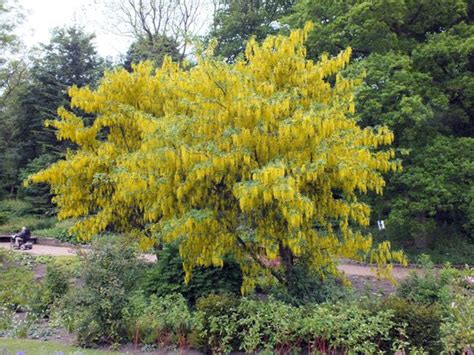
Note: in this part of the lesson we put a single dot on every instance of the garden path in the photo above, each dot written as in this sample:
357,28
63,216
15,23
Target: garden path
350,269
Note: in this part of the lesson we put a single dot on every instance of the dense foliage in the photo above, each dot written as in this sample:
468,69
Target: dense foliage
417,56
68,59
167,277
431,312
257,159
237,21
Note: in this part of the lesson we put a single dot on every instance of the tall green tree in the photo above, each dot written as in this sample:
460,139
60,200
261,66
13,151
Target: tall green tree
10,17
236,21
154,49
12,74
68,59
435,190
375,26
418,58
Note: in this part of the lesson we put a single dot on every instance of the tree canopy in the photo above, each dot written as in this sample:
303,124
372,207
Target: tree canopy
236,21
68,59
418,61
259,160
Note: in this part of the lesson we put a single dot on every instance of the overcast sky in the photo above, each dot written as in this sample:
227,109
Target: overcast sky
44,15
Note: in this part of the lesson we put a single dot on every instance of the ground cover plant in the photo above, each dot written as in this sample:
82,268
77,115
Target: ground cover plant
110,306
27,346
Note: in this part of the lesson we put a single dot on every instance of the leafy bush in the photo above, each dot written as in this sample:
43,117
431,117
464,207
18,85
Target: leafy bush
16,285
216,323
305,287
15,208
167,276
426,287
267,326
32,222
60,231
3,217
15,214
95,311
224,325
457,329
345,327
6,318
165,321
54,287
422,322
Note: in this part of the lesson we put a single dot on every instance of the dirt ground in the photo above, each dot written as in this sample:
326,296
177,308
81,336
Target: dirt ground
355,272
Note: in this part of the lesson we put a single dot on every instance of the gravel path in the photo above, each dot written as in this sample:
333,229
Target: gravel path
349,269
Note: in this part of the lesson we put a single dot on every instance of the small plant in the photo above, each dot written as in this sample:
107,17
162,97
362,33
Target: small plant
345,327
16,285
422,322
216,323
54,286
164,321
6,318
425,287
268,326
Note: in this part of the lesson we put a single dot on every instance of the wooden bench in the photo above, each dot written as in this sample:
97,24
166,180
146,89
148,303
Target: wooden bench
6,239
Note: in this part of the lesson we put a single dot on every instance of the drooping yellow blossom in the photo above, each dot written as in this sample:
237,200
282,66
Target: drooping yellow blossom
226,159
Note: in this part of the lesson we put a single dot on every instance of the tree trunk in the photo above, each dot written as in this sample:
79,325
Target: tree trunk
287,261
421,235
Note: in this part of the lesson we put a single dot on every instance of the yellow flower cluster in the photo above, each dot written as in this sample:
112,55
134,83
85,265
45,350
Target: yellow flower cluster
226,159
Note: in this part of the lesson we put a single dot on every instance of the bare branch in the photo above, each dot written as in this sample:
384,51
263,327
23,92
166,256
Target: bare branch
178,20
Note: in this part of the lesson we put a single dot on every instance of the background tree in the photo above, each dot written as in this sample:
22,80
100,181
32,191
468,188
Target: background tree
12,73
417,56
436,189
10,16
155,22
68,59
375,26
155,51
236,21
258,160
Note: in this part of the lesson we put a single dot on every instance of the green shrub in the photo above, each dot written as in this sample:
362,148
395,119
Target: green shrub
54,286
16,286
4,217
32,222
108,272
216,324
164,321
167,276
6,319
224,325
267,326
457,329
422,322
425,286
305,287
15,208
61,231
345,327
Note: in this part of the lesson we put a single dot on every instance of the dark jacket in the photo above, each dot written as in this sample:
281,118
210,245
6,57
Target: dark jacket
24,235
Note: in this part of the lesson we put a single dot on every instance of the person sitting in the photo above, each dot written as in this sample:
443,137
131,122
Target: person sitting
22,237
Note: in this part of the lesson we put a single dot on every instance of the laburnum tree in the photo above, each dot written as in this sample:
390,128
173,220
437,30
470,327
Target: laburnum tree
260,160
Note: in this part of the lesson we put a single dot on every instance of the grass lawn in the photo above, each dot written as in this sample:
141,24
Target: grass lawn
39,347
